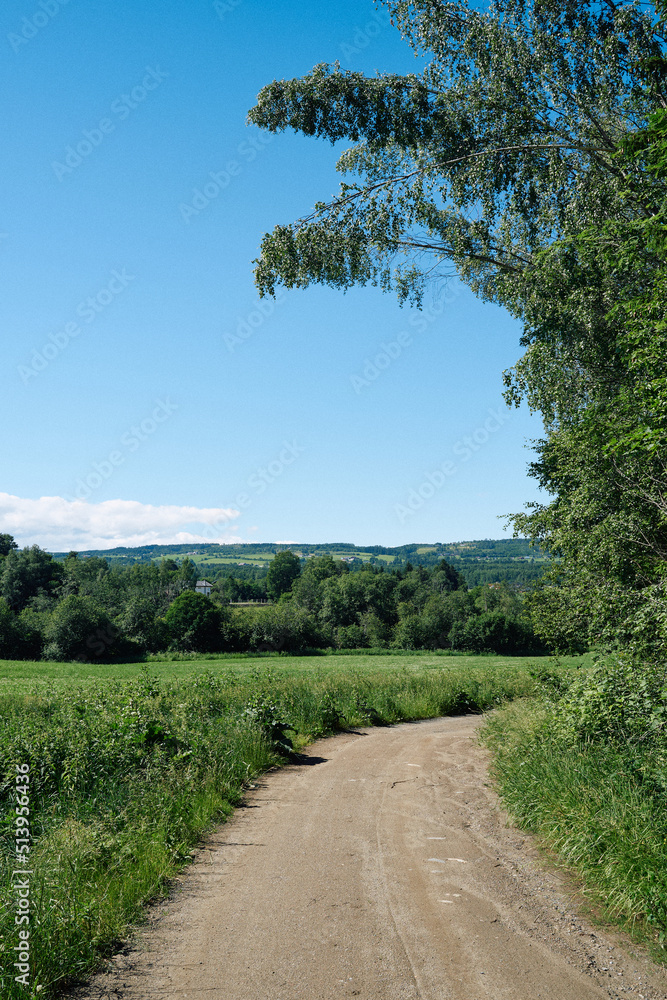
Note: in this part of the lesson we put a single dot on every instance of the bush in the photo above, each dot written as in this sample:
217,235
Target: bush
270,720
560,617
280,627
8,632
140,622
493,631
350,637
585,768
79,629
409,633
195,624
620,700
31,626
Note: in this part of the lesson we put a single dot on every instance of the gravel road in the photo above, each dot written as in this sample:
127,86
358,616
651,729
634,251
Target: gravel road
382,869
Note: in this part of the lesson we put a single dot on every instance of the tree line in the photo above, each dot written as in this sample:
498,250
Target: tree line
82,608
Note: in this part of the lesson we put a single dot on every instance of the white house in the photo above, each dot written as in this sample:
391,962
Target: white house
203,587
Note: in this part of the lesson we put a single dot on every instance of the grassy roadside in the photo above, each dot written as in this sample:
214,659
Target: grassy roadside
585,770
126,775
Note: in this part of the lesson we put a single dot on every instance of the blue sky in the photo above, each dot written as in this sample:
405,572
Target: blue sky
147,395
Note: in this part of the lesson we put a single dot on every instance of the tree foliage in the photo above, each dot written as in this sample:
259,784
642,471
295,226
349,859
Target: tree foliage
283,571
27,573
100,613
506,140
79,629
7,543
530,154
195,623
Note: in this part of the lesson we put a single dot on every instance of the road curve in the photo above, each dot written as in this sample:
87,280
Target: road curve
383,869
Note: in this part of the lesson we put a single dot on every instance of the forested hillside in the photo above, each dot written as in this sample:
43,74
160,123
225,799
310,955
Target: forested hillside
511,560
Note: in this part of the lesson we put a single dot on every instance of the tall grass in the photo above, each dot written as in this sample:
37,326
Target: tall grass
126,776
597,800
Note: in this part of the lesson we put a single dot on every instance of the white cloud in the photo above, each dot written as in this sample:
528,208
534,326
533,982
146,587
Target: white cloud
59,525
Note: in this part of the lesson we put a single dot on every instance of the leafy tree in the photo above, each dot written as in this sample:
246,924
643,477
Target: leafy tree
186,575
375,631
31,628
307,590
7,543
79,629
532,154
26,574
561,616
8,632
347,598
602,458
284,569
93,577
475,159
409,632
141,622
195,623
446,578
281,627
234,589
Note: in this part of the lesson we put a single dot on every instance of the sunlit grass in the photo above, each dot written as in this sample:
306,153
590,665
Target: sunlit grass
600,808
131,763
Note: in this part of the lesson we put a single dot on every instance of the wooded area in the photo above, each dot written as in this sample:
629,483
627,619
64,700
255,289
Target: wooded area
81,608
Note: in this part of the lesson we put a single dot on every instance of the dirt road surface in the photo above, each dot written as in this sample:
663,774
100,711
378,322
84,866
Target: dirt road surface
382,869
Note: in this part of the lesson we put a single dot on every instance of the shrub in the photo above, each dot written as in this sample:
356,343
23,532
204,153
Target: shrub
619,700
271,721
195,623
9,636
140,622
31,627
281,627
80,629
409,633
350,637
493,631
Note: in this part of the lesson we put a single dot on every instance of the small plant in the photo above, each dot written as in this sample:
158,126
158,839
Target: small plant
271,721
463,701
551,684
331,715
368,712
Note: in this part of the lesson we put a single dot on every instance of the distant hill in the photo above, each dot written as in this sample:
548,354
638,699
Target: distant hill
483,561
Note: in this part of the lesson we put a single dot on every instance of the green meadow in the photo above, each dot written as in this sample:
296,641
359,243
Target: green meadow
129,764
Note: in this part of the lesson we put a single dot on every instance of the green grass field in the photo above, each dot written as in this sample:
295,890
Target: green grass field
131,763
19,675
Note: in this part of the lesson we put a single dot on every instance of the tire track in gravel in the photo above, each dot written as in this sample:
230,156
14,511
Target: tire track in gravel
383,869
